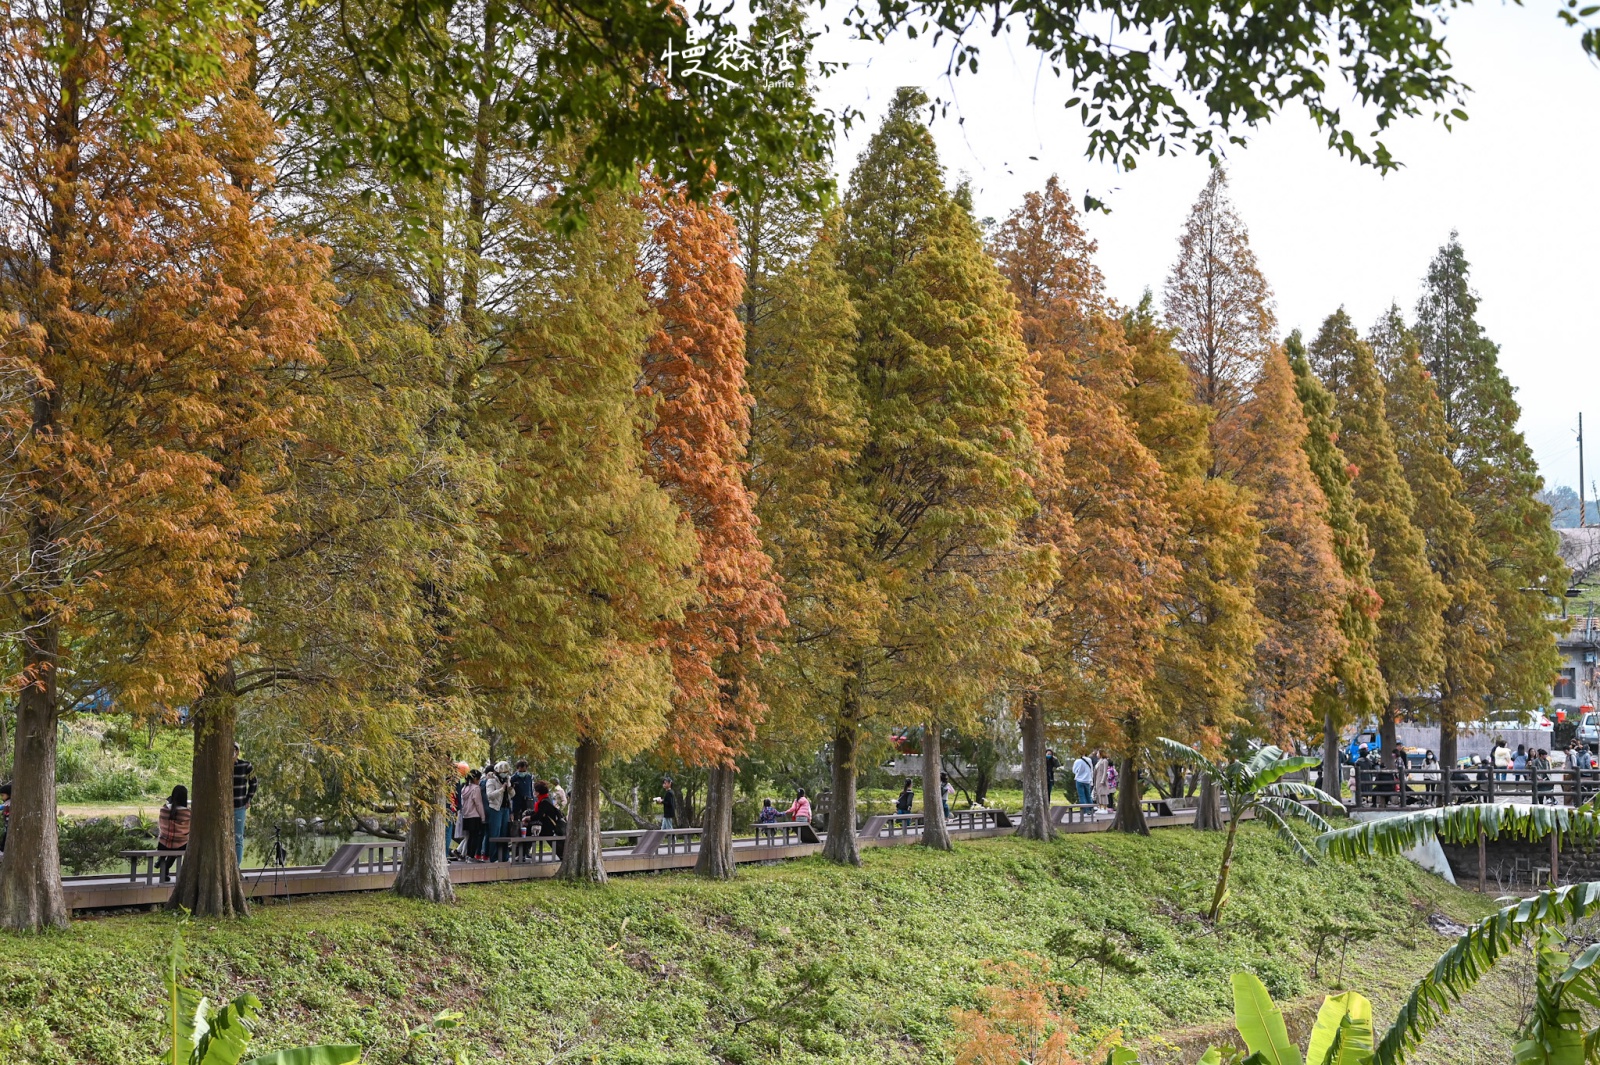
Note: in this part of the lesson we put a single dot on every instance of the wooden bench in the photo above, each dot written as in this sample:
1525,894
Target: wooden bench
149,858
793,832
1156,807
1072,813
889,826
365,858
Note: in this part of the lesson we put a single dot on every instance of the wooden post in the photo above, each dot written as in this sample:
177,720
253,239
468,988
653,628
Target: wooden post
1483,861
1555,857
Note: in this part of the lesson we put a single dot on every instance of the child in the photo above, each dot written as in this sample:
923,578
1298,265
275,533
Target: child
769,816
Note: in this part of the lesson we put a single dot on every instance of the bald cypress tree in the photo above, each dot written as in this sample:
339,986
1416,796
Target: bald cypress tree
1500,481
944,392
1197,681
1470,621
1300,585
1219,304
1355,684
1410,618
1101,494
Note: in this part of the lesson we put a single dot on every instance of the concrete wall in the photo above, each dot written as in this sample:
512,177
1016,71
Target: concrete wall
1426,737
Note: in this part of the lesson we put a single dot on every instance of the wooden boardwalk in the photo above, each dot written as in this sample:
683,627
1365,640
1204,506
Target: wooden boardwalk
372,866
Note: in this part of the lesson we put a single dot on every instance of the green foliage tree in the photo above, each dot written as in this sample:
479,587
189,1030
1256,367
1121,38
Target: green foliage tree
1410,619
942,377
591,554
806,431
1471,623
1500,481
1355,684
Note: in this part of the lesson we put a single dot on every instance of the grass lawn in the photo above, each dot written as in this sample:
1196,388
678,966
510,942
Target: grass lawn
796,962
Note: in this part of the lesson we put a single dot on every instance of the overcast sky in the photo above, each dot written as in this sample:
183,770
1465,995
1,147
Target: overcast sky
1519,181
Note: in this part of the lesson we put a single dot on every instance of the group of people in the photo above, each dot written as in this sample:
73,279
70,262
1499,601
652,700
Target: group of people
492,805
175,817
1094,778
1474,774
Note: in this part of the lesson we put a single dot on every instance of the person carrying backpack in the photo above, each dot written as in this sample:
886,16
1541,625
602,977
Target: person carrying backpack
902,805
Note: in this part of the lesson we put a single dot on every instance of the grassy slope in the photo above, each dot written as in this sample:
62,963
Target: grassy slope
549,972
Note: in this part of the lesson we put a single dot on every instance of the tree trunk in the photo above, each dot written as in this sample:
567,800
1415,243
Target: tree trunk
424,865
716,834
1208,813
1035,823
1386,727
30,873
1221,895
935,833
842,845
583,860
1447,754
1332,769
1130,807
209,884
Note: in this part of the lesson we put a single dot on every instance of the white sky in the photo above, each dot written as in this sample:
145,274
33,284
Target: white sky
1518,181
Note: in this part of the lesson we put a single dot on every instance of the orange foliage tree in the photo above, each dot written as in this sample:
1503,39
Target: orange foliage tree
694,369
153,307
1300,586
1101,492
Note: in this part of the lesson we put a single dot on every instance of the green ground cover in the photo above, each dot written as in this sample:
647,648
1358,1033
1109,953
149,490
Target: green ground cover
794,962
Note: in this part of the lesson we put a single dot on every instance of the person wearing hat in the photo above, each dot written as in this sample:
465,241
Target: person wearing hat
497,803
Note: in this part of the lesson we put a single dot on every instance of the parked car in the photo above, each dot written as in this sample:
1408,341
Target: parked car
1589,728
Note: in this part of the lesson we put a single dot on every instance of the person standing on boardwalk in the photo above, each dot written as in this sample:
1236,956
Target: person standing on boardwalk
244,793
1102,779
1083,777
472,816
521,791
800,809
669,805
1051,764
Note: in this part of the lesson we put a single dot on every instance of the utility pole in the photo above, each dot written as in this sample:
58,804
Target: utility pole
1583,508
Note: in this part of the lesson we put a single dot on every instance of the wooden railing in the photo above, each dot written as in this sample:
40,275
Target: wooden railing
1394,789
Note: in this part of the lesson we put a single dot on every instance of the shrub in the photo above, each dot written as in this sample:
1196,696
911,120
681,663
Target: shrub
118,785
92,844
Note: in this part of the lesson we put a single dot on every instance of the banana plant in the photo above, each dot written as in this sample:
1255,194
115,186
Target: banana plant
1258,787
203,1034
1461,825
1342,1034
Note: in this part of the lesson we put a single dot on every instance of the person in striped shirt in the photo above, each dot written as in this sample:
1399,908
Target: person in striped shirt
244,791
